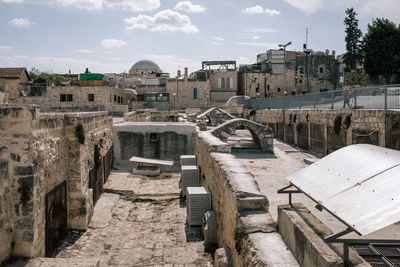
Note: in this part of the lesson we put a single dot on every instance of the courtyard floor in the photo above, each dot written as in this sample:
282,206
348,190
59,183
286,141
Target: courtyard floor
138,221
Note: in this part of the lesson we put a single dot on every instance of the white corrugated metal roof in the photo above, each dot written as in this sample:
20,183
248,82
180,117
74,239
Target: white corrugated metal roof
360,184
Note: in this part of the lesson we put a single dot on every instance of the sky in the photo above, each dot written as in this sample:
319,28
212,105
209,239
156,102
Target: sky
111,35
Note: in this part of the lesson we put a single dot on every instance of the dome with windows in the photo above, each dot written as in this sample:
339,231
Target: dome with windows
145,67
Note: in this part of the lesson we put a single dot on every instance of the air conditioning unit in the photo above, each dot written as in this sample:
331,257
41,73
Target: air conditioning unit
189,177
188,160
198,202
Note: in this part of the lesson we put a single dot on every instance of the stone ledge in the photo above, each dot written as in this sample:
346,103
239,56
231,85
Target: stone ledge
303,233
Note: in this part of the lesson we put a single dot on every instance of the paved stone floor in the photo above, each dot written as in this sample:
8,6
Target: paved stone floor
147,229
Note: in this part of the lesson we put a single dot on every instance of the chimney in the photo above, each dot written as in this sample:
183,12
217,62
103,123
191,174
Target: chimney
186,73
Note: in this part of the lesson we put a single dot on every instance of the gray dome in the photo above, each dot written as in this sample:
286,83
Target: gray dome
146,65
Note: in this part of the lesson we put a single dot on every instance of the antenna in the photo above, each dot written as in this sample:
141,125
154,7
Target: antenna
307,32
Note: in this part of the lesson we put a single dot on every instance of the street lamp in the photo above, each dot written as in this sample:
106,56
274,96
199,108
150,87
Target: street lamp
284,64
174,100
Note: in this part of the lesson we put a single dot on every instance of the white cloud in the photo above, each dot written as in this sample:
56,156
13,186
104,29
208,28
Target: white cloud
256,37
261,30
12,1
187,6
83,4
166,20
112,43
21,57
267,45
129,5
84,51
134,5
365,8
5,48
260,10
20,23
217,40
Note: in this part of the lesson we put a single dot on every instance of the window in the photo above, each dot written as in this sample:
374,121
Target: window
300,81
63,97
115,98
268,87
91,97
69,98
196,93
228,82
279,89
321,70
119,99
222,83
301,70
122,99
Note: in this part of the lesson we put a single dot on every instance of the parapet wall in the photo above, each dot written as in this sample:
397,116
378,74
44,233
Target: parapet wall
245,228
39,152
324,131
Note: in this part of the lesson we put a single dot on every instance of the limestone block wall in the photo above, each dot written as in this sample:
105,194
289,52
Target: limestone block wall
237,202
324,131
147,115
38,152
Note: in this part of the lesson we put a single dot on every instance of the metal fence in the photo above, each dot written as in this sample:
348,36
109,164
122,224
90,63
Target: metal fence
372,97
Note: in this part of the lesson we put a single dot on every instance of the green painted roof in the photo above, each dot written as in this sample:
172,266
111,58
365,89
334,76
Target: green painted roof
91,77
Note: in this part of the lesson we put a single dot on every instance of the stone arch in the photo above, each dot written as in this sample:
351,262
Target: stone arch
262,134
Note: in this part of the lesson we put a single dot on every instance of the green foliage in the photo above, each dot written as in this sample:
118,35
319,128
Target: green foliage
382,49
353,40
46,78
241,234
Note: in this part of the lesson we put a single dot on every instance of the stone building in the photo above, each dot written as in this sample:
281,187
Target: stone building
277,75
13,79
81,98
189,92
52,168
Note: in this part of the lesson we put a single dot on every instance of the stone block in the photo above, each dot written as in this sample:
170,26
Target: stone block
221,259
27,236
24,224
252,203
304,233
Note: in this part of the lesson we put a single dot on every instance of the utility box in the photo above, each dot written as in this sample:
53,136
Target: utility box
188,160
198,202
189,177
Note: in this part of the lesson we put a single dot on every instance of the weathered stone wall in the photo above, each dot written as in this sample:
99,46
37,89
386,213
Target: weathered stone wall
157,140
147,115
245,228
181,88
324,131
38,152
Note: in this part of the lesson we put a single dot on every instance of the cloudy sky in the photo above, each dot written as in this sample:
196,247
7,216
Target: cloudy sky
110,35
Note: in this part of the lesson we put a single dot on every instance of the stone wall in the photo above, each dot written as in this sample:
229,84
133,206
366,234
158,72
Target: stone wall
245,228
324,131
149,115
38,152
155,140
181,88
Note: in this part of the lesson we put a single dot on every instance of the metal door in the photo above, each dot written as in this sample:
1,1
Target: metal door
96,176
56,217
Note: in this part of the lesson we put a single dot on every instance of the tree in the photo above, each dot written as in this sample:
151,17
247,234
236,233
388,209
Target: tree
381,49
353,40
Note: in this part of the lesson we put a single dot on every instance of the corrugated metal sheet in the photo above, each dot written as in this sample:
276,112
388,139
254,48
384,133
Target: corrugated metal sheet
360,184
